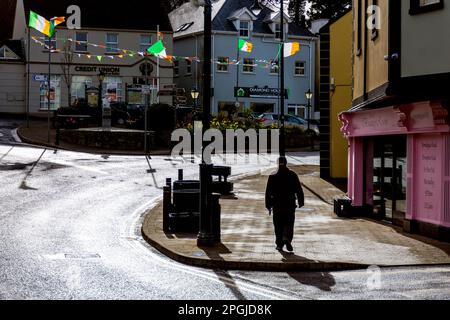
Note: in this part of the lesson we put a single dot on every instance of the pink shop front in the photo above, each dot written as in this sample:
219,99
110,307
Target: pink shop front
399,166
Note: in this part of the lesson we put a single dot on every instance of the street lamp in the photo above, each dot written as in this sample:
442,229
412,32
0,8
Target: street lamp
256,8
309,96
194,94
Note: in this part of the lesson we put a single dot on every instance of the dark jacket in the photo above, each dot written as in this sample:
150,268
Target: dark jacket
282,189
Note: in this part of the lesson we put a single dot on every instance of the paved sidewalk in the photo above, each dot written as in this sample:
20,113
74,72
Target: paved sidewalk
322,242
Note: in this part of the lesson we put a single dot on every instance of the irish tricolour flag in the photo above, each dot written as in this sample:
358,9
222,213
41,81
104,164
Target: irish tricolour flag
245,46
158,50
291,48
43,25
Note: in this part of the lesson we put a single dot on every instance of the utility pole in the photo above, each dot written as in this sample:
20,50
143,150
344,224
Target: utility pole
205,236
282,100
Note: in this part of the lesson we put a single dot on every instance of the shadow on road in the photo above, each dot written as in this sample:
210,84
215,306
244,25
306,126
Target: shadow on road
321,280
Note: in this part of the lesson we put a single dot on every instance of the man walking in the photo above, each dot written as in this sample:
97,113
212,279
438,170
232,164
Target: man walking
282,190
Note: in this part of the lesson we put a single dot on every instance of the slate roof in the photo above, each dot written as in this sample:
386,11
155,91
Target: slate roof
222,10
107,14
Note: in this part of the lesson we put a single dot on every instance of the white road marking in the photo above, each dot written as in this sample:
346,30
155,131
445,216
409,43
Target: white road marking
15,136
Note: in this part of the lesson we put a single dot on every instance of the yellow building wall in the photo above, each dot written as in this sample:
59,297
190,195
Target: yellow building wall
341,96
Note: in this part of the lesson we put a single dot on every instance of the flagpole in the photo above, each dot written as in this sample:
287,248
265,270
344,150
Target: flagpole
28,77
237,69
49,85
157,71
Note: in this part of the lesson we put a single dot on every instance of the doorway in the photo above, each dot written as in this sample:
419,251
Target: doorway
390,178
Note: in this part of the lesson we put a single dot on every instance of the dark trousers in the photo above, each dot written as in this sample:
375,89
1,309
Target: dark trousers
283,221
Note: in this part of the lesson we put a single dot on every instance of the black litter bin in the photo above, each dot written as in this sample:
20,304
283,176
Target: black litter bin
342,206
186,200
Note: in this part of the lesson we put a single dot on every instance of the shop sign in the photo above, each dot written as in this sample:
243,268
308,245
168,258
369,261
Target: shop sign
107,70
39,78
257,92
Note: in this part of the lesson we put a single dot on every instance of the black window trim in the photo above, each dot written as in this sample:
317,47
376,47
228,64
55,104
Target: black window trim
359,30
416,8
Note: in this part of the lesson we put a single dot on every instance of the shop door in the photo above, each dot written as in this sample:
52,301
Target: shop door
390,176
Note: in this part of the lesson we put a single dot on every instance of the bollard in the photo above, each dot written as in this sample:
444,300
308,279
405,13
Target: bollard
216,211
180,174
169,182
58,133
167,205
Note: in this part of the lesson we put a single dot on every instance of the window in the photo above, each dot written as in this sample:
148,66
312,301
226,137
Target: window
145,43
112,89
275,67
422,6
188,67
176,68
249,65
297,110
7,54
244,29
222,65
184,27
52,43
55,93
81,42
300,68
78,87
112,43
277,30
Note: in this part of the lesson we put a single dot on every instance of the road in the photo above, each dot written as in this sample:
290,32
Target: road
70,229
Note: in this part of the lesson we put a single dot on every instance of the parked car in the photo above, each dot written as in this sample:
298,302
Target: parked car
269,119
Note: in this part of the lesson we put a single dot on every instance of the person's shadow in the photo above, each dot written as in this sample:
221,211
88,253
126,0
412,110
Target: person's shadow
321,280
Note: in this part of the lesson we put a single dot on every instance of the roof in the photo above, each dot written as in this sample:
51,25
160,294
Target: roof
223,10
222,22
189,13
15,46
106,14
7,14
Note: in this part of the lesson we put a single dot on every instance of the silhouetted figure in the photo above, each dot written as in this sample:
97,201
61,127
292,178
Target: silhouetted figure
283,191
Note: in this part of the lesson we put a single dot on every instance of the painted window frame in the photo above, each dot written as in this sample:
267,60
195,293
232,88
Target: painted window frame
359,29
275,65
143,46
110,45
53,42
83,43
223,62
248,65
278,32
299,68
188,68
242,29
417,8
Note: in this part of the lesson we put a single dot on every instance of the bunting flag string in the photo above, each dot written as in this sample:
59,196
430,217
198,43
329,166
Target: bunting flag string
123,53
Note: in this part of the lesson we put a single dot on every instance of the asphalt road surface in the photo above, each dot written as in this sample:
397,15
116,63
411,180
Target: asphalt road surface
70,229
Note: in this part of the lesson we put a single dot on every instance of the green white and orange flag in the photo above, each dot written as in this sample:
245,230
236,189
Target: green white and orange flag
158,50
43,25
245,46
291,48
